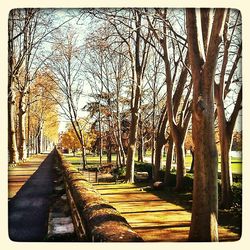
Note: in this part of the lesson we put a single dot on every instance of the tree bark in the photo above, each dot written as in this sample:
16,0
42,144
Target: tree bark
119,134
12,145
226,127
109,139
83,150
226,172
204,222
180,170
160,141
22,129
169,159
178,131
192,163
135,104
132,142
225,146
226,135
153,128
100,133
39,142
141,141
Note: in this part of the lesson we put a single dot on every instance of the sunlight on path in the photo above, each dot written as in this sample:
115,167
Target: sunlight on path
21,173
151,217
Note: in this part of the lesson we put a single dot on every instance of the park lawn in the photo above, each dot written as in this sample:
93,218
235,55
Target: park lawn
228,218
236,164
91,160
94,160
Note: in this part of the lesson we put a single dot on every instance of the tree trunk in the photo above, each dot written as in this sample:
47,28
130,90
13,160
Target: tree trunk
225,145
83,157
180,170
121,150
100,132
138,65
28,126
158,158
118,158
109,139
22,132
204,224
39,140
226,174
192,163
153,149
160,141
153,125
133,129
169,159
141,147
12,145
226,127
119,136
132,146
205,193
109,151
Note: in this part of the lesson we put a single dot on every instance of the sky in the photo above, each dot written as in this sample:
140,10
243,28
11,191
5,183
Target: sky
83,28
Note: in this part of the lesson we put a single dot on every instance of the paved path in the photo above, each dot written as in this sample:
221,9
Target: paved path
22,172
153,218
29,208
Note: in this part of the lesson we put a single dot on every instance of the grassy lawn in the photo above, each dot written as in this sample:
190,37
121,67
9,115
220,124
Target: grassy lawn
230,218
91,160
94,160
236,164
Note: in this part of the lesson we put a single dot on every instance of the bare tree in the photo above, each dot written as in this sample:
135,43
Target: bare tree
204,37
224,92
128,27
154,76
106,72
64,67
177,107
18,26
28,29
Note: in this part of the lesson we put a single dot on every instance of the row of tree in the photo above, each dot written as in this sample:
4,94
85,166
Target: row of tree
153,49
141,76
32,117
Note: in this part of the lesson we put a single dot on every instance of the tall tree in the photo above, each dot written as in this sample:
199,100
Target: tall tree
223,93
138,61
155,98
28,29
204,37
64,68
18,26
177,104
105,69
43,111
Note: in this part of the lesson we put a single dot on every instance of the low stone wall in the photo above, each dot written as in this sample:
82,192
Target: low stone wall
100,222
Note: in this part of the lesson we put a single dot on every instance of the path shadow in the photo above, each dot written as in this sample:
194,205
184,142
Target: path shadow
29,208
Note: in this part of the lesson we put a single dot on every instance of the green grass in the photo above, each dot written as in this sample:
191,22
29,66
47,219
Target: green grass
91,160
236,164
94,160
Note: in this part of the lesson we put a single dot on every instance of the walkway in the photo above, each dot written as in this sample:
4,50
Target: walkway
29,208
22,172
153,218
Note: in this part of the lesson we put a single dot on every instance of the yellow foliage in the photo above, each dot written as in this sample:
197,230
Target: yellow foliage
43,109
70,140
